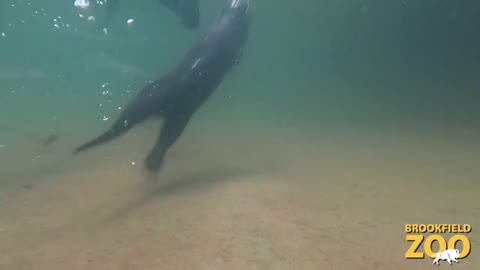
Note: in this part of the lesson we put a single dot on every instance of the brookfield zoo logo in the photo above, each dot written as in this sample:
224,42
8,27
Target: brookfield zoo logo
447,250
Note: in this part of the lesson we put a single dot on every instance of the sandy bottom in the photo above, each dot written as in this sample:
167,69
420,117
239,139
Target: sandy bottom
270,201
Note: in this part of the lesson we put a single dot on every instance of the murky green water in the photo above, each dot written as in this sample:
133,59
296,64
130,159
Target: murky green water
336,108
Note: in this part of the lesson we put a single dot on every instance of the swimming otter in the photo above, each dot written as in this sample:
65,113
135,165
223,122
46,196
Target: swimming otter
176,96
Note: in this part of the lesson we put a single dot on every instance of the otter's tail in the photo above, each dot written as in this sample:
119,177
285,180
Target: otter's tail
119,128
138,111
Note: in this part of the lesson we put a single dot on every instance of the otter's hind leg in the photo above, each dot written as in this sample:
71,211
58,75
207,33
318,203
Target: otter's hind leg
169,134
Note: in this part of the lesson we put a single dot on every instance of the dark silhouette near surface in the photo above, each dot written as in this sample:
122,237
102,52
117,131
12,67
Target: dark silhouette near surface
187,11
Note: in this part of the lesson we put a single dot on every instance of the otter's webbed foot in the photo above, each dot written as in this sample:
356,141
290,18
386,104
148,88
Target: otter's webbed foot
153,163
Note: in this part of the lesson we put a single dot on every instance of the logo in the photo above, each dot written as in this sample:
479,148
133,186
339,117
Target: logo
447,248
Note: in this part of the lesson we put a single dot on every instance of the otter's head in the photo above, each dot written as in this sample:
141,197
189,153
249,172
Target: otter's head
235,11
